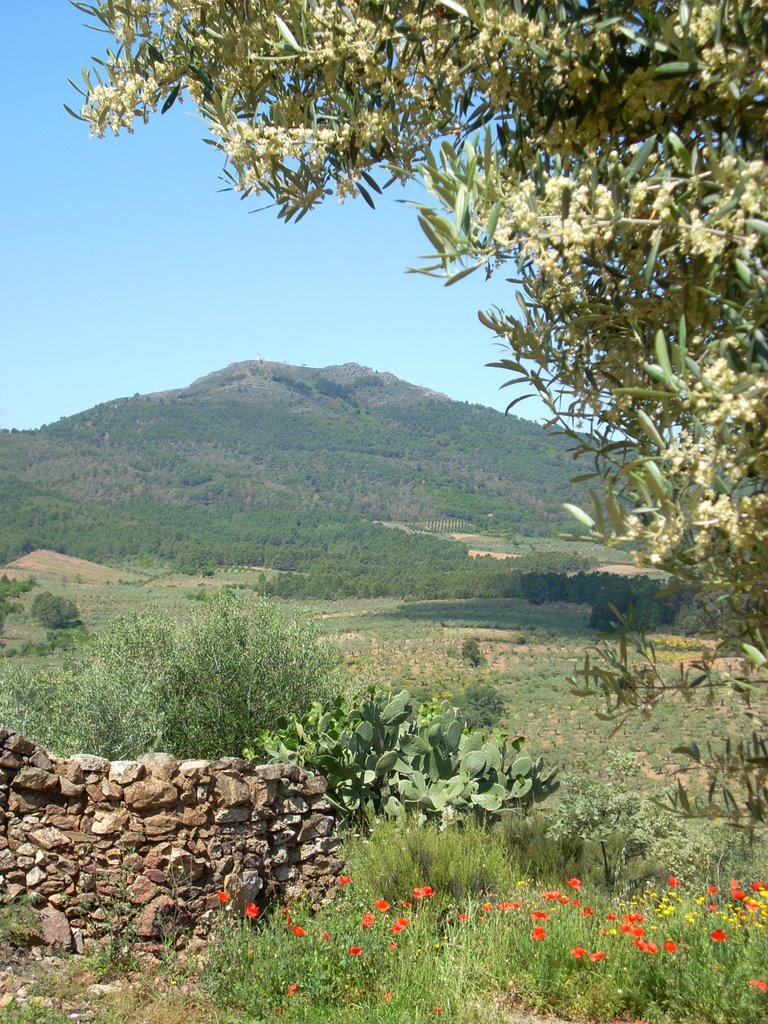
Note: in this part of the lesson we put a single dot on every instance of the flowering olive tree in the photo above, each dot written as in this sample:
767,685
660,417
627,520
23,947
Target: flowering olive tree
613,155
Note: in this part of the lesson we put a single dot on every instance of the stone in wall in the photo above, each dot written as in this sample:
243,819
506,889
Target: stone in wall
142,848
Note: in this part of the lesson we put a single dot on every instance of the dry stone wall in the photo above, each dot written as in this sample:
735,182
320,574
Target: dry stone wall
142,848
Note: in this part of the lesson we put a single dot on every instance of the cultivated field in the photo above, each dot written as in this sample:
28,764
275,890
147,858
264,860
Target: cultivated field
528,652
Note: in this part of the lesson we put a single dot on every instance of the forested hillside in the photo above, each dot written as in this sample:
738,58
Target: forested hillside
286,467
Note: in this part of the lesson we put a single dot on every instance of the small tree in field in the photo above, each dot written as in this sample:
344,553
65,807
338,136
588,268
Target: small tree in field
471,652
611,158
53,611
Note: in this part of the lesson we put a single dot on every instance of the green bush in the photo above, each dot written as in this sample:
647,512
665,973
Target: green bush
636,839
53,611
29,702
197,688
470,651
481,704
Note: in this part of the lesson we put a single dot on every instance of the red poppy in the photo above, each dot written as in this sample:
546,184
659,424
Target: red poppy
671,947
674,882
538,934
252,910
421,892
368,920
611,916
355,951
393,945
298,931
574,883
762,985
488,907
711,889
463,917
578,952
292,988
223,897
759,887
737,894
588,912
599,955
387,997
718,935
551,894
574,903
734,883
539,915
382,905
345,879
326,935
506,905
713,906
399,924
438,1010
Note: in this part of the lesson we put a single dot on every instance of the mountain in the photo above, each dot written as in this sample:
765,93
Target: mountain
283,466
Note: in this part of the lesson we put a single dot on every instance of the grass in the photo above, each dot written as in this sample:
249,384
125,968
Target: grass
472,948
17,922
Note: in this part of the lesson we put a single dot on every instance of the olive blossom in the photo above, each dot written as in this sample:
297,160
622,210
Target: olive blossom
611,154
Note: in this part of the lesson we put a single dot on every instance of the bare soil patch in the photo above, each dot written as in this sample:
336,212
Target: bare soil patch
621,569
52,563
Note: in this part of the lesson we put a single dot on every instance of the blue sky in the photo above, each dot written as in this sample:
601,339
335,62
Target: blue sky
124,269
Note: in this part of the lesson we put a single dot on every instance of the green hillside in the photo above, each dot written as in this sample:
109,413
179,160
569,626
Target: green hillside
290,468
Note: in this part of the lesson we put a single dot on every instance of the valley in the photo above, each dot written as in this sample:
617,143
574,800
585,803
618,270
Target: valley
527,652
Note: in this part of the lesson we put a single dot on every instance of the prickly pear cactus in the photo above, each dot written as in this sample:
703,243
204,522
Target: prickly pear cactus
390,755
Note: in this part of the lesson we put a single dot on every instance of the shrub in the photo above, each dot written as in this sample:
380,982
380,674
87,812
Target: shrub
481,704
29,703
470,651
239,665
198,688
53,611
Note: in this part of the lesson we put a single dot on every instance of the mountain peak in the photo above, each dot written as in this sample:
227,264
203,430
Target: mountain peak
270,377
